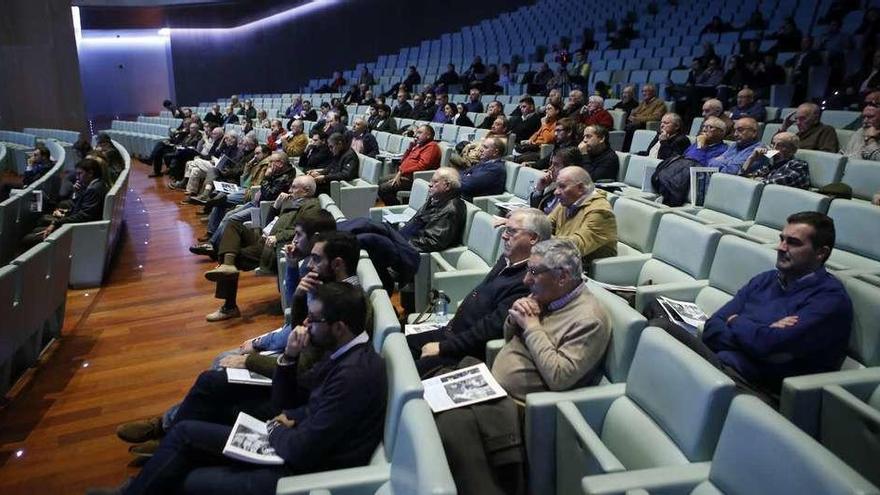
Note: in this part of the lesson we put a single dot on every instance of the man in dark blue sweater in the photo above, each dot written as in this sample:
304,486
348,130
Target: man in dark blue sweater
488,176
792,321
480,317
331,415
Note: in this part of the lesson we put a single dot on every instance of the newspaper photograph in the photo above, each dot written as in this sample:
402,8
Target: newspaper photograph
613,287
226,187
248,377
249,442
684,313
461,388
395,218
700,177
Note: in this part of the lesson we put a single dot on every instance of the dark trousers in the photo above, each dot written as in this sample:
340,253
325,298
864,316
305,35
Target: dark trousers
190,460
388,250
428,366
388,192
246,243
213,399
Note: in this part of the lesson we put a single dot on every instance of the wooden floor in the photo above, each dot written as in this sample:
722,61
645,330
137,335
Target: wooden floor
128,351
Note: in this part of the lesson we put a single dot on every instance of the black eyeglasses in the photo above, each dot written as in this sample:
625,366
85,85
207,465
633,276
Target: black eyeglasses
313,320
537,270
512,231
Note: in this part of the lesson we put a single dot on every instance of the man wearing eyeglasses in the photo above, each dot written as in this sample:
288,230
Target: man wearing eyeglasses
583,215
480,316
710,141
865,142
745,132
557,335
331,419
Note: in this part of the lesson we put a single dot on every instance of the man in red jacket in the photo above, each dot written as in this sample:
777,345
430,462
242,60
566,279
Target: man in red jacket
594,113
423,154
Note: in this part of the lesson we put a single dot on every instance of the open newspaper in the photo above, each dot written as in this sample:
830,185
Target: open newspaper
395,218
685,314
505,207
248,377
249,442
612,287
461,388
390,156
700,177
35,204
416,328
227,187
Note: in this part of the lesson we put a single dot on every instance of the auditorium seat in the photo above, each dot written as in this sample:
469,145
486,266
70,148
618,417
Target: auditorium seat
670,260
863,176
729,199
857,245
776,204
637,224
526,179
758,452
641,139
668,413
356,197
825,168
457,271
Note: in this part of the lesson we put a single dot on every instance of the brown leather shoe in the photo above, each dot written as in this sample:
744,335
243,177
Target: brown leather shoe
222,272
141,431
146,449
223,314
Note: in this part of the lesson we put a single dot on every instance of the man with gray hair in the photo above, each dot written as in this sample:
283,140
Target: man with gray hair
574,104
714,108
243,248
594,113
583,215
362,140
813,134
488,176
480,316
710,141
670,140
556,336
783,168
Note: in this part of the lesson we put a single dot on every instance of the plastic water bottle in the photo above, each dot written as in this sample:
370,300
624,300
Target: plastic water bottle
441,308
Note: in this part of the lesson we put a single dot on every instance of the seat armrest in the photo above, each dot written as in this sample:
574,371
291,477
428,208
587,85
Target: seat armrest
493,347
365,479
683,291
579,448
620,270
540,428
667,480
801,397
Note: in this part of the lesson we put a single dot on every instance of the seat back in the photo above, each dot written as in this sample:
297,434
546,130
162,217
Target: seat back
385,320
626,328
418,465
636,170
419,194
367,275
733,195
525,181
404,384
825,168
483,238
864,338
623,159
696,125
685,395
857,227
693,257
778,202
512,169
736,261
863,176
641,139
370,169
13,318
637,223
839,118
759,451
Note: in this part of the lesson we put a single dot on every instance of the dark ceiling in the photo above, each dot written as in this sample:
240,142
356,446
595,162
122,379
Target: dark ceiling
215,14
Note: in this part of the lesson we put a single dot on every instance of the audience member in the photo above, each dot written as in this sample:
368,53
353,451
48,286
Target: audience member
488,176
473,103
599,160
403,109
362,140
481,315
746,106
710,141
745,134
565,135
813,134
791,321
524,125
294,142
714,108
583,215
556,337
670,140
317,154
423,154
461,118
493,110
241,248
782,168
469,153
650,108
864,143
344,164
543,196
594,113
627,101
331,418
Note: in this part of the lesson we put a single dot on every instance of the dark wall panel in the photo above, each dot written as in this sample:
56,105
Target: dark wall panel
281,57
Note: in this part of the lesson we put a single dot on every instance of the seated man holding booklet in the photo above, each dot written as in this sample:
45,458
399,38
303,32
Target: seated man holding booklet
556,338
791,321
328,417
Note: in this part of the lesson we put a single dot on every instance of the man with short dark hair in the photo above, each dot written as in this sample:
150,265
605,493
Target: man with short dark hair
791,321
493,110
344,165
598,159
327,417
403,109
528,120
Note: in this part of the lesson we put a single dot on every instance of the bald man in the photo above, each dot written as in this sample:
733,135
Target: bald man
583,215
813,134
746,106
745,132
